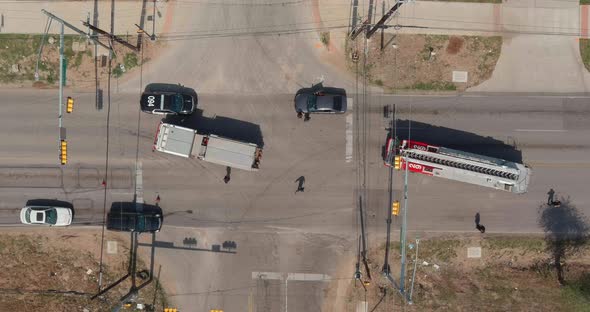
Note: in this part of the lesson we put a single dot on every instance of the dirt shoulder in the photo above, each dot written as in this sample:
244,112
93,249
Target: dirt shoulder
514,273
54,270
19,59
426,62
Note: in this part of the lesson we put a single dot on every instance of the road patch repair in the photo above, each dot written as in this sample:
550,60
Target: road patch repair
470,272
427,62
44,177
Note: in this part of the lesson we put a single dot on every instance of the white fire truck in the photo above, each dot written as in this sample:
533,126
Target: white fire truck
185,142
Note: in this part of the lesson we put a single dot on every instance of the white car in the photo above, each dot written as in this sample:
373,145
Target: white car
52,216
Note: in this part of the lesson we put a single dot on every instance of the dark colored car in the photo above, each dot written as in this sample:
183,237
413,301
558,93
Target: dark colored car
167,103
320,100
127,217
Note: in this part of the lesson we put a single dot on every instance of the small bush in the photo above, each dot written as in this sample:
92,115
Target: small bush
117,71
130,60
325,38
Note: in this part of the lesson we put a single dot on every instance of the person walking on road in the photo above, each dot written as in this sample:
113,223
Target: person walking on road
550,198
300,187
227,175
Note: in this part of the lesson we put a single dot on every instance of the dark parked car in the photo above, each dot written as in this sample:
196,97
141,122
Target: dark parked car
167,103
125,216
320,100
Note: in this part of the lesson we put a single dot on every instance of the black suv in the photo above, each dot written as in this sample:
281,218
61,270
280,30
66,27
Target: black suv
132,217
163,102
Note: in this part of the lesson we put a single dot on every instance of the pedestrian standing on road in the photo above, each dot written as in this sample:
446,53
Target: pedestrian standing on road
227,175
300,187
478,226
550,198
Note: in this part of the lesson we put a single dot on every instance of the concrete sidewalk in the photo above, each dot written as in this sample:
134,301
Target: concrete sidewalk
25,17
540,50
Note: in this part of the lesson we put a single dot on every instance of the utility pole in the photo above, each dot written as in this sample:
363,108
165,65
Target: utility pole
153,36
384,19
364,251
355,4
365,25
382,28
70,26
61,76
386,270
111,36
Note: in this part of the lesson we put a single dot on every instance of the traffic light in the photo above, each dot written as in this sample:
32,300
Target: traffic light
63,152
69,105
216,310
397,162
170,310
395,208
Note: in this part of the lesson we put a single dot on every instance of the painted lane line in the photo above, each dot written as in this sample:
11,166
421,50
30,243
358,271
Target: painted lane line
268,275
539,130
348,134
139,183
309,277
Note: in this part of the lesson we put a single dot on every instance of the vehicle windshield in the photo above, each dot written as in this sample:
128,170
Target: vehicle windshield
51,216
28,216
177,103
140,224
312,104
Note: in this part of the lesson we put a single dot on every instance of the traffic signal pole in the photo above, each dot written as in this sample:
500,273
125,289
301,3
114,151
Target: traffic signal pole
62,131
403,232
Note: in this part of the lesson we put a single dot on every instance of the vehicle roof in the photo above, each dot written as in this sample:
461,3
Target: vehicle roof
329,100
127,216
176,139
230,153
168,99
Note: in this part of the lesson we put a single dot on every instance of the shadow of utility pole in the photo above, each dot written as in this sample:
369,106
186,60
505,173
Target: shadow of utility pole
170,245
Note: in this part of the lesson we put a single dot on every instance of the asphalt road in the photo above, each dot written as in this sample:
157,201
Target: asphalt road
245,85
275,229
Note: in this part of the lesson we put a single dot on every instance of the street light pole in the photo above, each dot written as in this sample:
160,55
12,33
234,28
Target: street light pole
405,216
414,273
61,75
403,231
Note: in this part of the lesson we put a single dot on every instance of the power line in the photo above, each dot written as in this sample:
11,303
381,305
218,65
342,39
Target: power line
106,173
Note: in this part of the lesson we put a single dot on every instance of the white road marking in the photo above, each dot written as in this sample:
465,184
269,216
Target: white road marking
540,130
362,306
268,275
349,103
139,183
348,133
307,277
310,277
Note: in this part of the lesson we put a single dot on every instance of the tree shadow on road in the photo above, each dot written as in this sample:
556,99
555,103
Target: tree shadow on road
566,232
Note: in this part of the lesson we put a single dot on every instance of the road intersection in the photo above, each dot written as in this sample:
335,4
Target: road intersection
248,81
